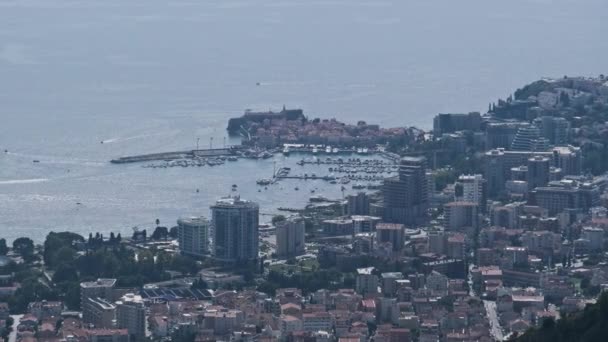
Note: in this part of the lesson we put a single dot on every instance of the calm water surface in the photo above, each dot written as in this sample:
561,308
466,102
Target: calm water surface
148,76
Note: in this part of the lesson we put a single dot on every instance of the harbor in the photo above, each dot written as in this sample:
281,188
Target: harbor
355,168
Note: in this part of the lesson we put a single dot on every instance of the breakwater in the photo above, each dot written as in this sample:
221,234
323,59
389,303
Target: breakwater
168,156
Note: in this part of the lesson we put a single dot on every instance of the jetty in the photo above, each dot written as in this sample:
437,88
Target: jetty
168,156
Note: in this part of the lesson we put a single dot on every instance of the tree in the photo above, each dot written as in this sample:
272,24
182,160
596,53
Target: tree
72,296
63,243
173,232
24,246
65,255
564,99
8,328
65,273
160,233
3,247
277,218
199,284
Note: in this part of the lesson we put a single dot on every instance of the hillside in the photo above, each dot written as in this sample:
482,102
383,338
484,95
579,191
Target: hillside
589,325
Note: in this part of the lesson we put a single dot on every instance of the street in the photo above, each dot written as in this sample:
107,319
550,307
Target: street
13,335
495,328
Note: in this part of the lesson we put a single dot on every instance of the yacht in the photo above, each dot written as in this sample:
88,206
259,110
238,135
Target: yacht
286,150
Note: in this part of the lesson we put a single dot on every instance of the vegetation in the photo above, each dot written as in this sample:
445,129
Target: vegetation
24,247
306,281
589,325
70,259
277,218
7,328
3,247
160,233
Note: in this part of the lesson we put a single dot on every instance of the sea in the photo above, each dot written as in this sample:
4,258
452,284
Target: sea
145,76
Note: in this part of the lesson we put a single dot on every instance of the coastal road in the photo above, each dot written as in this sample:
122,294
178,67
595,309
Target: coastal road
12,337
495,328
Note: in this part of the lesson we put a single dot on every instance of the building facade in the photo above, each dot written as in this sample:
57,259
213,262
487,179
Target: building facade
193,236
235,229
406,197
131,315
290,237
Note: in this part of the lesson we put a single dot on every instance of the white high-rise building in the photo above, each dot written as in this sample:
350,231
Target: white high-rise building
290,237
471,188
193,236
366,281
131,315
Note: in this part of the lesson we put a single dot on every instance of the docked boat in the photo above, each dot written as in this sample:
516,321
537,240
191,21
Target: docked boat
263,181
328,149
335,150
286,150
315,150
358,186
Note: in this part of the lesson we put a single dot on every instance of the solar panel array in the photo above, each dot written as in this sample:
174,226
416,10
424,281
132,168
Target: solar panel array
175,293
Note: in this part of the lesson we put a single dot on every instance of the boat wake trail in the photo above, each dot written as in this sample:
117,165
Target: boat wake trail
23,181
115,140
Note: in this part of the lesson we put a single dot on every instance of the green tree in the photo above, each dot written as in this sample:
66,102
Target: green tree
160,233
65,273
72,296
3,247
24,246
277,218
61,247
173,232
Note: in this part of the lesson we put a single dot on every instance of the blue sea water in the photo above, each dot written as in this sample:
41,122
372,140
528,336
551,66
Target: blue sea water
148,76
